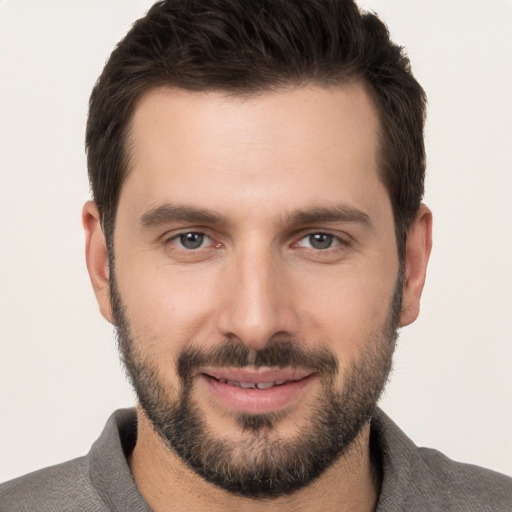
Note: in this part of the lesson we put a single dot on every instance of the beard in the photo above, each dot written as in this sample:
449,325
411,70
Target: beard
261,464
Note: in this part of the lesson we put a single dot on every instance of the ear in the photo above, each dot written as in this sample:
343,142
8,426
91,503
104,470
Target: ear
96,256
418,247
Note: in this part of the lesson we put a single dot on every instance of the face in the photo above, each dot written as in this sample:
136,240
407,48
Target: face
256,286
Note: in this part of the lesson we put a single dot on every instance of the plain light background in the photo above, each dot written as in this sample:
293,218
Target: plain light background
59,373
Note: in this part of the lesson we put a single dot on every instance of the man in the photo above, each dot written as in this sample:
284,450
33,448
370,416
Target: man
257,237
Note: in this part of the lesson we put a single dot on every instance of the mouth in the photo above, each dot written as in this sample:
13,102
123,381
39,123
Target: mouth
253,385
256,391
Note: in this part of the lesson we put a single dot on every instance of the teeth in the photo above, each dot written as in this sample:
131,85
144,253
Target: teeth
253,385
265,385
247,385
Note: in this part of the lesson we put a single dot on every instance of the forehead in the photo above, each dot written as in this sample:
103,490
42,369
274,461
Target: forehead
292,148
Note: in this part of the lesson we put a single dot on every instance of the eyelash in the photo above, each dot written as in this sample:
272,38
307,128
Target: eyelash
334,241
339,242
176,240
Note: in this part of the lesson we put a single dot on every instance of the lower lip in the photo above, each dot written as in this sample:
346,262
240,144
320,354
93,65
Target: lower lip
257,401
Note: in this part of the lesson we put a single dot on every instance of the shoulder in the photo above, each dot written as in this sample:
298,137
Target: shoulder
58,488
99,482
422,479
472,486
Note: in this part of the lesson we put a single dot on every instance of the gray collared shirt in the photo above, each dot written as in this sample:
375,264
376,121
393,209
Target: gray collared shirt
413,479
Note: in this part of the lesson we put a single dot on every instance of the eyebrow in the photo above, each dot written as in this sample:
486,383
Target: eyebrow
174,213
343,213
167,213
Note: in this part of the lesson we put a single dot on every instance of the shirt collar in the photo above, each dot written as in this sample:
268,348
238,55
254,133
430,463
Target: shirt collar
393,451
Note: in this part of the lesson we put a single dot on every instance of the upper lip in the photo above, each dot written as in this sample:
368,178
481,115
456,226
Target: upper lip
257,374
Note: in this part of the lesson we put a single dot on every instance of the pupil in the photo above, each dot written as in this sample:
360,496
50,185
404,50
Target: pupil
191,240
320,240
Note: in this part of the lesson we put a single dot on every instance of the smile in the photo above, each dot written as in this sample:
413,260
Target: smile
254,385
256,391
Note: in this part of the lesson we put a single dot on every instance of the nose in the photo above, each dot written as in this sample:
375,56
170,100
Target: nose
256,302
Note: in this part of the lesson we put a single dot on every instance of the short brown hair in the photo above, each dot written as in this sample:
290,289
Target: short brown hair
245,47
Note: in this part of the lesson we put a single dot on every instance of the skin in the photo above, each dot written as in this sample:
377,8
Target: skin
255,162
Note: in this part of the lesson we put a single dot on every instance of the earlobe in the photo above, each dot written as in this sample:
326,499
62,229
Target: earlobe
418,248
96,256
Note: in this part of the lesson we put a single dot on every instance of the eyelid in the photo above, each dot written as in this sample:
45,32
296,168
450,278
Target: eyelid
335,240
206,242
177,231
171,237
342,239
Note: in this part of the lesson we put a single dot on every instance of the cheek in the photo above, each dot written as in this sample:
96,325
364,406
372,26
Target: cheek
345,308
166,304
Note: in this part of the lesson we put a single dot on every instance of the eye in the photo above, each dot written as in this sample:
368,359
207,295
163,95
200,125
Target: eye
319,241
191,240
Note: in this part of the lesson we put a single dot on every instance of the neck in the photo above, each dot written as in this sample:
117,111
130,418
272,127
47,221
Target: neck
167,483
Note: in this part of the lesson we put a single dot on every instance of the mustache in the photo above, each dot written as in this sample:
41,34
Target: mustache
280,354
